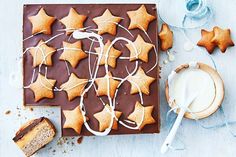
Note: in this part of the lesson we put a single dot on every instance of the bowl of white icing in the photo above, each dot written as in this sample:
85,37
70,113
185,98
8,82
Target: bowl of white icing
198,77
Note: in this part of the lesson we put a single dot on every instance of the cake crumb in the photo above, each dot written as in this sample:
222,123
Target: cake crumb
80,139
61,141
7,112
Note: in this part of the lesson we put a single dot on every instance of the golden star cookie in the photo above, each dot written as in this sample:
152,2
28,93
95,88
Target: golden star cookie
73,53
107,23
140,112
42,54
42,88
205,41
140,18
222,38
41,23
140,81
74,87
102,84
73,21
166,37
104,118
74,119
143,48
112,55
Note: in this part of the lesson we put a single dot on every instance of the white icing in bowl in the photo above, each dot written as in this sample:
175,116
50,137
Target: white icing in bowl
200,76
197,80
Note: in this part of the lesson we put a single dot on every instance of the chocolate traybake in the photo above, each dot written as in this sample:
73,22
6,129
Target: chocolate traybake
98,62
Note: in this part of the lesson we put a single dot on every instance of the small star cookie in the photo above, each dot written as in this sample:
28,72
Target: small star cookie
74,119
107,23
41,23
112,55
140,18
42,88
222,38
73,53
104,118
166,37
142,48
140,81
42,54
74,87
102,84
206,40
138,117
73,21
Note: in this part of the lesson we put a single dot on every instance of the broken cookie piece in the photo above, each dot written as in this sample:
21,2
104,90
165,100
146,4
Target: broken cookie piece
34,135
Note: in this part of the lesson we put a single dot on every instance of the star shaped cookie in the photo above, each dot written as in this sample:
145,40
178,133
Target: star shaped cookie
74,87
137,115
142,48
140,18
141,80
112,55
166,37
41,23
104,118
73,21
74,119
42,54
73,53
222,38
107,23
42,88
102,84
206,40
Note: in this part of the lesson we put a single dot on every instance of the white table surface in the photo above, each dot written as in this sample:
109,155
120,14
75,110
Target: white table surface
198,141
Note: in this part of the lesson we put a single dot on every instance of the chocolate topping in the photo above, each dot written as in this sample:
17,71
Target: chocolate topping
23,131
125,101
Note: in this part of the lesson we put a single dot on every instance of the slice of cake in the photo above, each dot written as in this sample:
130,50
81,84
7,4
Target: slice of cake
34,135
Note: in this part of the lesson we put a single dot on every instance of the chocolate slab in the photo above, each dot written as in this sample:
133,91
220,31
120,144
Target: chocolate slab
125,101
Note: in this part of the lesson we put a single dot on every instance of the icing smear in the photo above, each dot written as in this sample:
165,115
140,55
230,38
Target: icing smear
194,79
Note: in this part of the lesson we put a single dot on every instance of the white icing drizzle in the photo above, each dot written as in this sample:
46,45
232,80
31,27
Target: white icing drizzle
128,121
81,35
145,33
123,80
67,68
121,45
33,35
156,62
73,29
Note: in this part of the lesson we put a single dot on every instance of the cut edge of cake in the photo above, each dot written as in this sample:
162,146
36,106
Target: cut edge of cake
34,135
